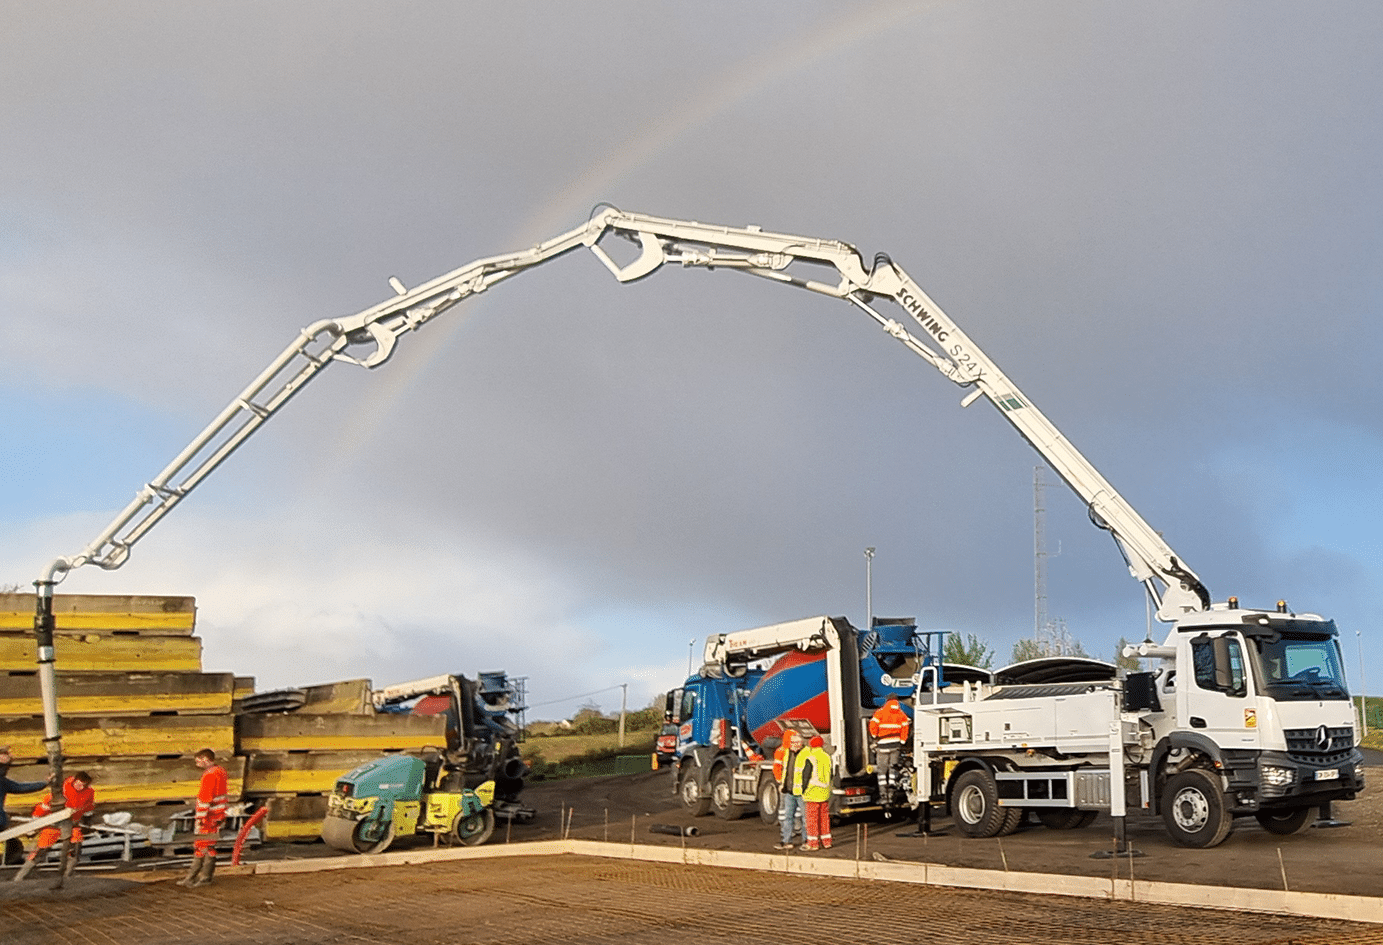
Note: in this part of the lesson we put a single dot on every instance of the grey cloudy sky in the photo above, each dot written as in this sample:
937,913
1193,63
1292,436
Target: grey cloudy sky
1161,219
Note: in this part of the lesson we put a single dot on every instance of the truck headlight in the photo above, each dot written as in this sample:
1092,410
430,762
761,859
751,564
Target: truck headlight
1275,776
1359,773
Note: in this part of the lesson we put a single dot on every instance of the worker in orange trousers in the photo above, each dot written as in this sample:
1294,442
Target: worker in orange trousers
80,798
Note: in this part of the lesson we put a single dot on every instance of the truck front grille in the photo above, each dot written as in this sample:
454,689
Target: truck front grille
1320,746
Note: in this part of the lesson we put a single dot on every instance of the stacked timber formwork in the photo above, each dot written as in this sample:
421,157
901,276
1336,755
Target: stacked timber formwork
135,703
136,706
294,758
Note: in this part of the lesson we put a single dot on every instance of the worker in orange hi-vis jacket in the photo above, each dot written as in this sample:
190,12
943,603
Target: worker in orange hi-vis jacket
80,798
889,729
209,814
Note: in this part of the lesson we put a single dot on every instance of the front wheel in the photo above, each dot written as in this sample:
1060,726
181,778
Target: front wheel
474,829
369,836
1284,822
1193,809
694,800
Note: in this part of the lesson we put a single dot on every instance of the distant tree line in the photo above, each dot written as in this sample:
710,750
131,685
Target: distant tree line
971,650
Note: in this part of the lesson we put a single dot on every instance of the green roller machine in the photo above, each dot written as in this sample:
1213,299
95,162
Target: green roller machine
394,797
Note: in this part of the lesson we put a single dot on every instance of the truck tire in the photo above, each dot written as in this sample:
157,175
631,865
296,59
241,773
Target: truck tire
475,829
360,837
975,806
1284,822
768,800
1194,811
723,795
695,801
1065,818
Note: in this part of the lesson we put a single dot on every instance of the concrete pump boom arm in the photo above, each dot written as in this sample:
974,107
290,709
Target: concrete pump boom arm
368,338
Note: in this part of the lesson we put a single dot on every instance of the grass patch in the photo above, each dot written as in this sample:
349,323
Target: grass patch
567,756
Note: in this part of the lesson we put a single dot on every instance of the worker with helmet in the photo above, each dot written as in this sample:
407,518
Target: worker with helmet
889,728
814,785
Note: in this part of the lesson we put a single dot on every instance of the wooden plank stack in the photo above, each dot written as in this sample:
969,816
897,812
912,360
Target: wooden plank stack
293,759
136,706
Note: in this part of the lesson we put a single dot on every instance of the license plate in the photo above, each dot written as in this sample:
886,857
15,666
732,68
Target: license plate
1331,775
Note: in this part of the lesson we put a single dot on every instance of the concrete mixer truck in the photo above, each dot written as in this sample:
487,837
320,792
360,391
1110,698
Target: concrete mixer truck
827,678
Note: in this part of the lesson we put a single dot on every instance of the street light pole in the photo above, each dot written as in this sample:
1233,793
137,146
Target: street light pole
690,643
868,589
1363,698
623,702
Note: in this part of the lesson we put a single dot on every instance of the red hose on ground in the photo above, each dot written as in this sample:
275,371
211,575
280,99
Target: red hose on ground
255,818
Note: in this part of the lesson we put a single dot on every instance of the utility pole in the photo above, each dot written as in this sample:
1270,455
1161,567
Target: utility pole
868,589
1363,699
623,701
1039,556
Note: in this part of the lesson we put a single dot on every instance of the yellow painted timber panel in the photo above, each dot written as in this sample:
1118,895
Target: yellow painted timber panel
287,830
289,731
130,781
116,737
115,694
351,697
282,773
295,818
95,652
78,613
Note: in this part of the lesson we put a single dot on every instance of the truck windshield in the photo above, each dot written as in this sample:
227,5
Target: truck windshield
1299,667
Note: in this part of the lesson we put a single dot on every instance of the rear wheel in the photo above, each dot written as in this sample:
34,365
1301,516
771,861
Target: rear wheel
975,806
694,800
768,801
1284,822
1193,809
1065,818
474,829
722,795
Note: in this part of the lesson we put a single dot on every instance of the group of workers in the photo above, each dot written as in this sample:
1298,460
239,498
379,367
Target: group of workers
79,798
804,777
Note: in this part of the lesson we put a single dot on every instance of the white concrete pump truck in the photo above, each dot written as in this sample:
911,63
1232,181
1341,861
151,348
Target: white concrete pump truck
1247,714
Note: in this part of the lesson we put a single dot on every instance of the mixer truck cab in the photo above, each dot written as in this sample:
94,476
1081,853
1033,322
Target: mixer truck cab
711,740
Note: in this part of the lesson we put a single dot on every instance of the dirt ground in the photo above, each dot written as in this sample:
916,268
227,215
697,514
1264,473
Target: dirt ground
575,900
572,899
1340,860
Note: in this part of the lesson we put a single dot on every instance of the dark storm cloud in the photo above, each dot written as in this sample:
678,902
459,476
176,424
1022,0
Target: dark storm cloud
1159,219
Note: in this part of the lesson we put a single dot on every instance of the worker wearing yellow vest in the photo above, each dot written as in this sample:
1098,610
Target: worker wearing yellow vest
786,762
889,729
814,785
